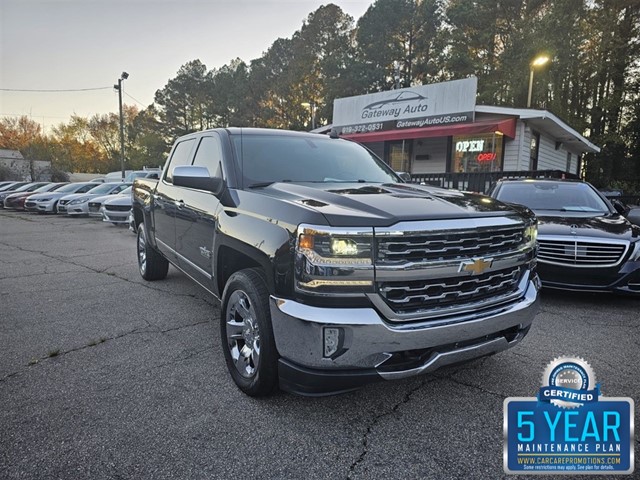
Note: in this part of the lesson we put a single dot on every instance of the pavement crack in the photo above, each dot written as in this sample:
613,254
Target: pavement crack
182,327
105,272
9,375
376,419
470,385
148,328
39,274
60,353
182,359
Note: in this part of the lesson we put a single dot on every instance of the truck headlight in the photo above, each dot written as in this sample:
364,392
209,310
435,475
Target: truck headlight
334,260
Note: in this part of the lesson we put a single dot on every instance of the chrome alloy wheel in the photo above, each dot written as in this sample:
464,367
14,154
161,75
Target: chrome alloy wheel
142,252
243,334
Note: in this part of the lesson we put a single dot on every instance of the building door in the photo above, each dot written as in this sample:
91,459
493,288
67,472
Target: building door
534,150
398,155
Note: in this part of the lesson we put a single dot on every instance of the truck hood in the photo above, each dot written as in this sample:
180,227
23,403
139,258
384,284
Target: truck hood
358,204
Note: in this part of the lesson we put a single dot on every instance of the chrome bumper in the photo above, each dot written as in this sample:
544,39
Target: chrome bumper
368,340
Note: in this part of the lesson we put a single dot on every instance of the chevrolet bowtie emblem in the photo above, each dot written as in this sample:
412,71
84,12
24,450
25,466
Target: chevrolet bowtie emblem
476,266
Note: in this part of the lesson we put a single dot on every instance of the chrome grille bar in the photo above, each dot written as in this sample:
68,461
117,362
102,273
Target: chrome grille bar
581,251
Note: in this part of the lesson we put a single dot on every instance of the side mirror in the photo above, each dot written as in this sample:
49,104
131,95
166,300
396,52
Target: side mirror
405,176
620,207
191,176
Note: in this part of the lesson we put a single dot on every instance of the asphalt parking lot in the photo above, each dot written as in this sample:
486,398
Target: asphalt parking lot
103,375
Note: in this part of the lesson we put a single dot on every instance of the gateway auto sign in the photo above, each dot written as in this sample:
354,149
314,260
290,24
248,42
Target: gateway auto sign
414,107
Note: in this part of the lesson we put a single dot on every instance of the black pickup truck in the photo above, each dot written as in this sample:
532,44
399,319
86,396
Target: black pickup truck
333,272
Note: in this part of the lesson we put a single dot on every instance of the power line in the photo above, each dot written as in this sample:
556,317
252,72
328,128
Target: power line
135,99
54,90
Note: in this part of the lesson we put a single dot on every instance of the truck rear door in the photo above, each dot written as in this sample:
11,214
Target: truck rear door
166,200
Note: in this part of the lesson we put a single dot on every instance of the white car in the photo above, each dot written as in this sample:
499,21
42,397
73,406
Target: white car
153,173
77,204
96,203
48,202
116,210
116,176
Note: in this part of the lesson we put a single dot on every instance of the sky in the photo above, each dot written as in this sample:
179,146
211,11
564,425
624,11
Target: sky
84,44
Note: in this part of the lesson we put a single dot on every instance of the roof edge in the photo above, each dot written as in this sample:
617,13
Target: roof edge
530,114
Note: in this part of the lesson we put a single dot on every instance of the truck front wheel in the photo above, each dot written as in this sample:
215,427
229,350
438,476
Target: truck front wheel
151,264
246,334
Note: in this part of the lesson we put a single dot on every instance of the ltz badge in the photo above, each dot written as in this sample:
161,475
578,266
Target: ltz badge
569,428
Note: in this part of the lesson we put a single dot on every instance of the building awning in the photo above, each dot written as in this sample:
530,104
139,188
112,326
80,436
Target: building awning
546,122
505,126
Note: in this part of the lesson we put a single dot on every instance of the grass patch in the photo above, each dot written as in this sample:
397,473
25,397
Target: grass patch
54,353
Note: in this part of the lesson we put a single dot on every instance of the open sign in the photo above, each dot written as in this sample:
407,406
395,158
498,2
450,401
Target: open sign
486,157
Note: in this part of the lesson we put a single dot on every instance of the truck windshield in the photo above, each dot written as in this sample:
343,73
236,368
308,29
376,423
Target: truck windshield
264,159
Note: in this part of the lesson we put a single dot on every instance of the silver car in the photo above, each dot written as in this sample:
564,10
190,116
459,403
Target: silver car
116,210
95,204
77,204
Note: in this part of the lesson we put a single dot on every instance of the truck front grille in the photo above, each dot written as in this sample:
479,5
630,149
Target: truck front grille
448,245
582,253
406,297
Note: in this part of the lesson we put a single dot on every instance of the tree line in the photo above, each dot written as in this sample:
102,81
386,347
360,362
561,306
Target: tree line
592,81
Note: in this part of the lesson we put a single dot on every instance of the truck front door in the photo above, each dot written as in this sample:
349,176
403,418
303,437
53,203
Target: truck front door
196,218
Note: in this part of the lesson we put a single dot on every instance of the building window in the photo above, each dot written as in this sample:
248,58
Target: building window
477,153
568,169
534,149
399,155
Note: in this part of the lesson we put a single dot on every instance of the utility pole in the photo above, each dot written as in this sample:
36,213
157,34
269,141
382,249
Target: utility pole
118,87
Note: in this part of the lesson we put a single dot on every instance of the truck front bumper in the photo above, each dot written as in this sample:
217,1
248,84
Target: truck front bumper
371,348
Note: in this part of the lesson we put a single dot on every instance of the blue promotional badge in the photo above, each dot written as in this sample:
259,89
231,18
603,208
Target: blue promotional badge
569,427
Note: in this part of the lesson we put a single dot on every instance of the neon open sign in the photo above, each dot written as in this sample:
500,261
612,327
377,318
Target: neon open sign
486,157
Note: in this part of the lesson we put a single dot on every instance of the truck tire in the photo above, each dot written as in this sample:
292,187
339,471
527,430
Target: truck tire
151,264
246,334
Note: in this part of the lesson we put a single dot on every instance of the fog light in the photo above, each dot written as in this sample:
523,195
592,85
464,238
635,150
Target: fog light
331,341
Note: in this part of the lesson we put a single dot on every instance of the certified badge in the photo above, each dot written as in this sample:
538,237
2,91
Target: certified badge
569,382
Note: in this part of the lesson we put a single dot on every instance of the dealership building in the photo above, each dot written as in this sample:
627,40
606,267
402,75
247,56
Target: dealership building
437,129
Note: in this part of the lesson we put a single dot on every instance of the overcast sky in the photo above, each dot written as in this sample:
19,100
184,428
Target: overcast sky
75,44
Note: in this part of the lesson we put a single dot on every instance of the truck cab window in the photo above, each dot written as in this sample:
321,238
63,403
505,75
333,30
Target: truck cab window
180,157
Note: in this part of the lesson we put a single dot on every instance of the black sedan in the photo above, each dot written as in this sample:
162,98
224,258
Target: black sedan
584,243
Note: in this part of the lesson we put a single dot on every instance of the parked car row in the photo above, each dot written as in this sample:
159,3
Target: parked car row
110,201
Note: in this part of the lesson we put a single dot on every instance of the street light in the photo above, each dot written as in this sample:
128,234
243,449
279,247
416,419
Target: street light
537,62
118,87
312,107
